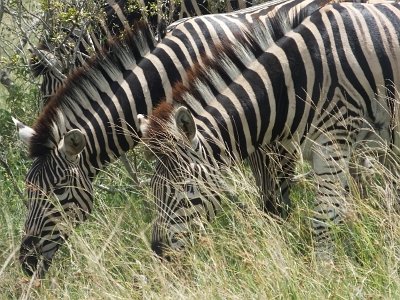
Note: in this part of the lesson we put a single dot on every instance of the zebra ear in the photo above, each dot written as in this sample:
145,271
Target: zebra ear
185,122
73,143
24,132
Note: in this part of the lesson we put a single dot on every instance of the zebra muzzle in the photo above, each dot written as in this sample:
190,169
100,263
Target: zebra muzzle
31,259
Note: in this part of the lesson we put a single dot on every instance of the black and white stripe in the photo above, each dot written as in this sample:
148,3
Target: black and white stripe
324,88
54,65
93,119
54,62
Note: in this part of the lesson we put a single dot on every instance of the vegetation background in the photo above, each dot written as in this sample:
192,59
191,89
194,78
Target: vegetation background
245,254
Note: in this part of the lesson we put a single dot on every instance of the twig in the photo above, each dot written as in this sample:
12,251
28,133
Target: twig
6,81
132,170
9,172
1,10
8,260
118,189
107,189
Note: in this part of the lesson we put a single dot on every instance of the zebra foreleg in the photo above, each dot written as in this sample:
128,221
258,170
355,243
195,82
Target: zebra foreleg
330,160
272,169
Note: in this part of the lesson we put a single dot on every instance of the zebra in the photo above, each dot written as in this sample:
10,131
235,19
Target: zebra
93,119
325,87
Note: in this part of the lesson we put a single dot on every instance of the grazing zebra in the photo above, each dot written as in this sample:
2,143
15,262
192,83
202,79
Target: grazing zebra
326,86
92,120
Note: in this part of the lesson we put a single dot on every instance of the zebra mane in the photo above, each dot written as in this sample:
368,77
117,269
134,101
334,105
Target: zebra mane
36,63
119,54
227,63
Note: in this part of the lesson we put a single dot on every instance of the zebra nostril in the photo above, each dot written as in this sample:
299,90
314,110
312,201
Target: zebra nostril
29,264
160,249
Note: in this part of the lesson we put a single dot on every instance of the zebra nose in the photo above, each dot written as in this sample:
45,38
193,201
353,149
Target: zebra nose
29,255
158,248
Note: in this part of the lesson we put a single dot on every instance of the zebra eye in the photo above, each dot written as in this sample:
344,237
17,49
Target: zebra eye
59,190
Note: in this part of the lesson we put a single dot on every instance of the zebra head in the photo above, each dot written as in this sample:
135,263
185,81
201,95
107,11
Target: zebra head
59,196
46,64
185,184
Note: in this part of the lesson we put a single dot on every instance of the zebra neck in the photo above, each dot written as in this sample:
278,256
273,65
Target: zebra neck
107,142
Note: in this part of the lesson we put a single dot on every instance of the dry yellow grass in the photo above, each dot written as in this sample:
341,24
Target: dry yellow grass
244,254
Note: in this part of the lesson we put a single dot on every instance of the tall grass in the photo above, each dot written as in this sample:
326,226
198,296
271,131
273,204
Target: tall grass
244,253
